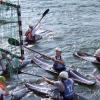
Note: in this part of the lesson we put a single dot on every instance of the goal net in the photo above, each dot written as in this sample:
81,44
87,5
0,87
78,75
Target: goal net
10,27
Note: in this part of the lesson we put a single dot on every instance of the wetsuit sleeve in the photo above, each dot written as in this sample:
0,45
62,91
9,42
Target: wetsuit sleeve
59,85
56,83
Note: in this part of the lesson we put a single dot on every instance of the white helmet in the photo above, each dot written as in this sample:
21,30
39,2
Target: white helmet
58,49
63,75
30,26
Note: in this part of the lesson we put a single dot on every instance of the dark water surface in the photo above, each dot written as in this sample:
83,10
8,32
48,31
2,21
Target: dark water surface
76,24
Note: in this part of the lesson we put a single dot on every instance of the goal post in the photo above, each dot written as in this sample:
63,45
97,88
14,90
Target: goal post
11,26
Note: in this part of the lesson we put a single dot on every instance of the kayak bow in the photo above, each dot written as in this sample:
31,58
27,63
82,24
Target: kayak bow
87,57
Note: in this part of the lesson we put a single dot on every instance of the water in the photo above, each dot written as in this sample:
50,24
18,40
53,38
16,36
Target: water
76,24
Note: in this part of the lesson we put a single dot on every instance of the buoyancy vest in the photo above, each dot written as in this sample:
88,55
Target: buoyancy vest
29,35
58,65
69,88
2,86
2,91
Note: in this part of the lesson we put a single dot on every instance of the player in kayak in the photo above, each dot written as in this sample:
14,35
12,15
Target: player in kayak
97,55
10,64
31,34
65,86
59,64
3,89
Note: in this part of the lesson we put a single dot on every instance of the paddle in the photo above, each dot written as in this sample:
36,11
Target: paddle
15,42
30,74
44,14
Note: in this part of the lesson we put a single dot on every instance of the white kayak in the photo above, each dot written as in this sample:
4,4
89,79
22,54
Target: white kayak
47,91
87,57
76,76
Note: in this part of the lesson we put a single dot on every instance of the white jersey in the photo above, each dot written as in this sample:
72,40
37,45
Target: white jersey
35,29
33,32
97,53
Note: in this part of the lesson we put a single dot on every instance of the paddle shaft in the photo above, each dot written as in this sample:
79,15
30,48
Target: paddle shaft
41,18
37,23
31,74
44,55
38,52
15,42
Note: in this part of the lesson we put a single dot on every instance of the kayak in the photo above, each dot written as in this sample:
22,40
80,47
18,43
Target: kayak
87,57
18,93
44,65
76,76
47,91
40,34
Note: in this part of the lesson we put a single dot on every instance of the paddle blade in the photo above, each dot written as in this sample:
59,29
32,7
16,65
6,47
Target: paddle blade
13,41
45,12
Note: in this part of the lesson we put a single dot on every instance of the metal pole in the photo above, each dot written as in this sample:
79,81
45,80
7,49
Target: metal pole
20,31
18,2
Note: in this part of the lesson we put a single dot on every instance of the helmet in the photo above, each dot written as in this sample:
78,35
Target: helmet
30,26
2,79
58,49
63,75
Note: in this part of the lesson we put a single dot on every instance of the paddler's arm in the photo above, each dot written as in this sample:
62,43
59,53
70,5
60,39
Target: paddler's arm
49,81
59,61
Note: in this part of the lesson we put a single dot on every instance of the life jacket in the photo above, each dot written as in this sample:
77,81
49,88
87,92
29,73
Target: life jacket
69,88
29,35
58,66
2,86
